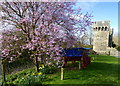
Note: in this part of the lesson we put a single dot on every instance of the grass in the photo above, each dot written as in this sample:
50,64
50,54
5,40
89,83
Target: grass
103,70
10,78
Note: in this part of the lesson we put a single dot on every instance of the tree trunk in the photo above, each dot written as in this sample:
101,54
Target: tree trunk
36,64
3,71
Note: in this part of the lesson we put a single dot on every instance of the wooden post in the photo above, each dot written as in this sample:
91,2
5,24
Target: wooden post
62,73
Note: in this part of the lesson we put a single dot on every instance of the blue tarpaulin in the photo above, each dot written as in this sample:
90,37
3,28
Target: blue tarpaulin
74,52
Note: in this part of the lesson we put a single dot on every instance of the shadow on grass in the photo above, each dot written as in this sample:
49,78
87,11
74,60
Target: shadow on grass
95,66
103,67
49,79
96,72
103,70
71,78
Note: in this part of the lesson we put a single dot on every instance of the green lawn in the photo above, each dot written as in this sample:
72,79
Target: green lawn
103,70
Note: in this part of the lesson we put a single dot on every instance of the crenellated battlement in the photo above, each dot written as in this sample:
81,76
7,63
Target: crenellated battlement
101,26
102,36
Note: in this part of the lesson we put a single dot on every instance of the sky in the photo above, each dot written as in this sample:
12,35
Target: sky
102,11
107,10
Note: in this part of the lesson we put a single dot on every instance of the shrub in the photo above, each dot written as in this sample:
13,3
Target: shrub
29,77
17,76
47,69
30,80
26,80
118,48
18,64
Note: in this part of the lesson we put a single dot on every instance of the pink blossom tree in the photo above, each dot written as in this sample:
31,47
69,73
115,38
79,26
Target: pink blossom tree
10,49
11,44
46,27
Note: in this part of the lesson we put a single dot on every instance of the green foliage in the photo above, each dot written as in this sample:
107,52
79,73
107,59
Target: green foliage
12,77
29,80
18,64
118,48
29,76
103,70
47,69
25,78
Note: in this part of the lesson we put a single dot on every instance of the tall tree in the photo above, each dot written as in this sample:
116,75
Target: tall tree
46,26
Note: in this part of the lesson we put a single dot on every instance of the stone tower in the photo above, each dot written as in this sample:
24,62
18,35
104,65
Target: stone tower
102,36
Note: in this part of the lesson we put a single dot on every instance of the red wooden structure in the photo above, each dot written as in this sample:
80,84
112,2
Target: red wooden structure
77,54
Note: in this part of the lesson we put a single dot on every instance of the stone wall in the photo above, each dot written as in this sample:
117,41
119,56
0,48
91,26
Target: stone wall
102,43
112,52
101,36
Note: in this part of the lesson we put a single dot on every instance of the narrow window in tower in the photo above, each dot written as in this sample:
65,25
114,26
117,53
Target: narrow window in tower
98,28
102,28
105,28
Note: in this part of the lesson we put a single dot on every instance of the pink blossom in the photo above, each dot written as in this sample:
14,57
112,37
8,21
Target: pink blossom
46,28
1,36
39,59
11,58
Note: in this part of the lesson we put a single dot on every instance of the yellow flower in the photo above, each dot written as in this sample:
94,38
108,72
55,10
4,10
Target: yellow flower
33,74
40,73
42,66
